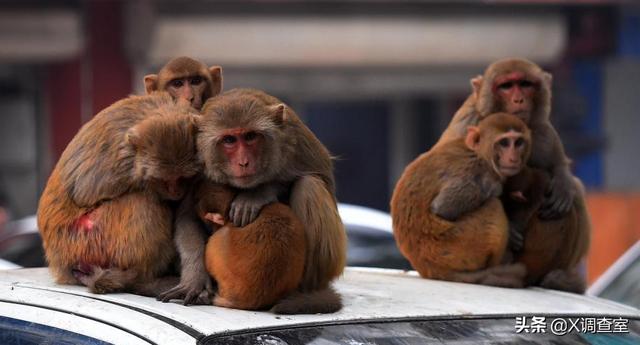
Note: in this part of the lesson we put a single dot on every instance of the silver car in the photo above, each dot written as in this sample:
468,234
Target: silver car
381,306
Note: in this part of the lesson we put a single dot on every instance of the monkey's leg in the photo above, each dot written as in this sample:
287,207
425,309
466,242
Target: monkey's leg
511,276
565,280
190,239
326,238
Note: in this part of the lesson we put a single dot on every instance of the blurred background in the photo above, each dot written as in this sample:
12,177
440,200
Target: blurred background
376,80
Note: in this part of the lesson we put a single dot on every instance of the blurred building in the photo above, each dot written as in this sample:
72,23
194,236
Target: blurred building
377,81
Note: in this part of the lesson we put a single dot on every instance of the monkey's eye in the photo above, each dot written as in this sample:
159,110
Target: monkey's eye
526,83
505,86
177,83
250,136
196,80
519,142
229,139
504,142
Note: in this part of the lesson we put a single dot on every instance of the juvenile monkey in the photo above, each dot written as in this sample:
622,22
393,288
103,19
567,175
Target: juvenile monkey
550,249
275,241
521,88
187,79
129,158
258,145
447,218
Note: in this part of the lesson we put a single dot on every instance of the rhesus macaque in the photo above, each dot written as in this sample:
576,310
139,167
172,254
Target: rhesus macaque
255,143
447,218
255,266
187,79
103,216
521,88
550,249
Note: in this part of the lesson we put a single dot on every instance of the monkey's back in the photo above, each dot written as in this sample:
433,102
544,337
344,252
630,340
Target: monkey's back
144,243
435,246
85,179
259,264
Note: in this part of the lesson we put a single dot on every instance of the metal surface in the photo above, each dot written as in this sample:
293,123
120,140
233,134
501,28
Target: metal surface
368,294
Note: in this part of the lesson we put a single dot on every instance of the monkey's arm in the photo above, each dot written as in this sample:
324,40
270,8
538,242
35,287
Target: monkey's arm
190,239
463,194
561,190
247,204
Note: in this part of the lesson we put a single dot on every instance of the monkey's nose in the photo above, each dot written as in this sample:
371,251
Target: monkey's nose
244,165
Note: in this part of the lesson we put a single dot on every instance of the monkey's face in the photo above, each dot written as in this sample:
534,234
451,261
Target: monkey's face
509,153
243,149
515,93
190,89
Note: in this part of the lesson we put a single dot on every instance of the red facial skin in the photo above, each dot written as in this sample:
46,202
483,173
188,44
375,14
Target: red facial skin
242,148
509,148
188,88
516,93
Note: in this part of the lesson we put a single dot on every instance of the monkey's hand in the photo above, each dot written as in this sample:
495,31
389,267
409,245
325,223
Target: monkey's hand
247,204
194,288
559,196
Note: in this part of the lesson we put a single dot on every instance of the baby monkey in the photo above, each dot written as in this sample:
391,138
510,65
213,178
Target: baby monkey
255,266
447,216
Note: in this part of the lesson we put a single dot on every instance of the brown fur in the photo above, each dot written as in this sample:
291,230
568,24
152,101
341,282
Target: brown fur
547,152
469,247
259,264
184,67
117,180
292,166
553,249
293,155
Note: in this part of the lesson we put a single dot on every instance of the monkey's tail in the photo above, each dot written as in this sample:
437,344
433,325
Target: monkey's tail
323,301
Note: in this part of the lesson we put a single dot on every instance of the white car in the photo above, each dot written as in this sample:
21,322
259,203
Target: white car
380,307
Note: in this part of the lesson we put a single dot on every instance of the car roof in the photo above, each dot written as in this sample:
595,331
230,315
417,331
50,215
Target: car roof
368,294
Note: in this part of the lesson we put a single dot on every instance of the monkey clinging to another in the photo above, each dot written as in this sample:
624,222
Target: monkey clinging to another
521,88
447,218
257,145
258,265
102,216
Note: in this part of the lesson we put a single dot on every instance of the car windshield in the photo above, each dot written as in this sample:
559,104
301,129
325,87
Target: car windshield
519,330
625,288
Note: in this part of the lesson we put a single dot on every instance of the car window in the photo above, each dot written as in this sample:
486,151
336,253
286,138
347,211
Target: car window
468,331
14,331
625,288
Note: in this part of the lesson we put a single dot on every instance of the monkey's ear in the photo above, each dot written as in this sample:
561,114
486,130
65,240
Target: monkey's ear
476,83
547,78
132,137
216,80
280,113
472,139
150,83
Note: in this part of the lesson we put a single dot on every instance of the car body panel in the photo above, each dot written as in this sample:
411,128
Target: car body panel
368,294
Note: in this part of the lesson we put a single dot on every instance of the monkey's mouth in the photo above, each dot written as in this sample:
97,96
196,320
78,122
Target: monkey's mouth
509,170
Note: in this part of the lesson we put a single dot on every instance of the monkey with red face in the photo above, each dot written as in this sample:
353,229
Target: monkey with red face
256,144
447,218
521,88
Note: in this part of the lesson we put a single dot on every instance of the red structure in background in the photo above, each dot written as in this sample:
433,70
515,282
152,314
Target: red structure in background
97,78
